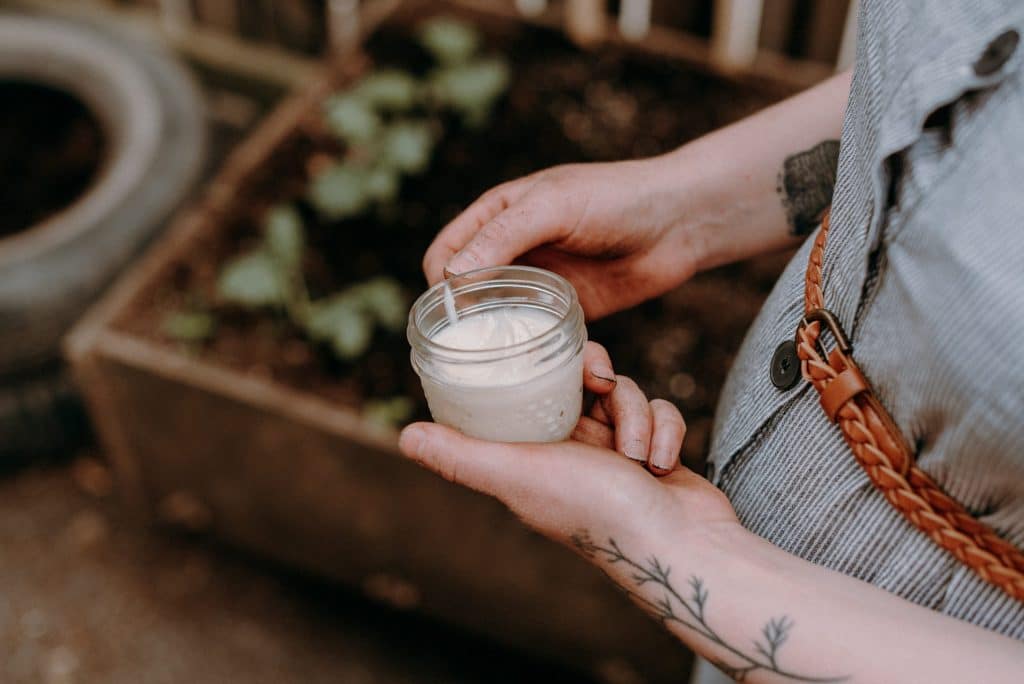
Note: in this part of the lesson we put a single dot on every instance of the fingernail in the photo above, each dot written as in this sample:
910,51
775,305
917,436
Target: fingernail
636,451
603,373
463,262
663,462
410,439
456,265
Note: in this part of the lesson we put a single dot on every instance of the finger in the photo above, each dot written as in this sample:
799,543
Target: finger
598,376
598,413
667,439
630,414
531,221
461,229
595,433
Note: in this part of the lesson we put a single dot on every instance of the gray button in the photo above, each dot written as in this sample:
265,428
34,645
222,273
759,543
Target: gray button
785,370
997,53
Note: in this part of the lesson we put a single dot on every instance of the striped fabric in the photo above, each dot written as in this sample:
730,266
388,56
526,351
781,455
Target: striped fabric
925,269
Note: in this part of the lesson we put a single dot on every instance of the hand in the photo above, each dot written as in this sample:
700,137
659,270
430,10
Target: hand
612,229
562,488
584,483
650,432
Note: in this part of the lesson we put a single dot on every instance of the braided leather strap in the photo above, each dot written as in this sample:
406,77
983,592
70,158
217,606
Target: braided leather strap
879,447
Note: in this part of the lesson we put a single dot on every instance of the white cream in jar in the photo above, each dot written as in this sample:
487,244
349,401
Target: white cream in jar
511,367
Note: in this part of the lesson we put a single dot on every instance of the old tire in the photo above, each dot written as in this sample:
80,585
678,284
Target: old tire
152,116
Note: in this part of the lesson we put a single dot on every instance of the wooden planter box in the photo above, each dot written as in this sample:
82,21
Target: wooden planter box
294,477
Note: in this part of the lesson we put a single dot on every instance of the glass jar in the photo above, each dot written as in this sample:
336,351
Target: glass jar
530,390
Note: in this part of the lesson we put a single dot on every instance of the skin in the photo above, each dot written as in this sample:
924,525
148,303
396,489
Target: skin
624,232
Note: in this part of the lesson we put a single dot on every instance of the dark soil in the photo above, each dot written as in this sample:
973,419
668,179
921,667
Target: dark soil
51,149
563,106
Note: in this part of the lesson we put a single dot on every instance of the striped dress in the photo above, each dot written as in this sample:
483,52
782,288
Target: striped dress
925,270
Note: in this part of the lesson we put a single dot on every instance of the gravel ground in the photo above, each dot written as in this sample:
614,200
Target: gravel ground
87,596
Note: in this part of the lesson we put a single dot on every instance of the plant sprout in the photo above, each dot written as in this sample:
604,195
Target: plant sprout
342,190
389,120
352,119
406,146
471,88
388,90
393,411
190,326
270,276
449,40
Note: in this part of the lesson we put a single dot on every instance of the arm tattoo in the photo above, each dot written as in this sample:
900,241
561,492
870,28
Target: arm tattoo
806,182
690,612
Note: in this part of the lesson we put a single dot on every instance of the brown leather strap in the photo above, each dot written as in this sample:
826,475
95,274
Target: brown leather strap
879,447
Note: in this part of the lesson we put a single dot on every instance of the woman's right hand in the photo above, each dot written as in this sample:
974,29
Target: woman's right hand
612,229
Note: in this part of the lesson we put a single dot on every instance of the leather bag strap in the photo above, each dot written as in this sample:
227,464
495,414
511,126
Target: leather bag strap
878,445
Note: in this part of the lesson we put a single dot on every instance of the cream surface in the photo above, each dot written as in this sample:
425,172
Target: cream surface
496,328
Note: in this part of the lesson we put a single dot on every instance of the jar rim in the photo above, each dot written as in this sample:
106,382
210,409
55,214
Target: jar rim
480,279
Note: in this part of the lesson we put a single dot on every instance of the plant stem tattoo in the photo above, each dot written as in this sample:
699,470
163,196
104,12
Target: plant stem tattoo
806,182
690,612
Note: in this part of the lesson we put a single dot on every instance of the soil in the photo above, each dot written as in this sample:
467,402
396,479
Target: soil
564,105
51,149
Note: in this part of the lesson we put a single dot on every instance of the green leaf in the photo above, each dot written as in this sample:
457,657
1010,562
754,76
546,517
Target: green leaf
449,40
253,280
406,145
382,184
384,299
341,191
340,321
352,119
470,88
388,89
188,326
392,412
283,235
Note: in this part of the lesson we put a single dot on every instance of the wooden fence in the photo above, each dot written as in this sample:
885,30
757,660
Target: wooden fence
795,42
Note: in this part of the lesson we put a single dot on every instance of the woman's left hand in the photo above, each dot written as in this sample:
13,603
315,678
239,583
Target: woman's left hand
586,482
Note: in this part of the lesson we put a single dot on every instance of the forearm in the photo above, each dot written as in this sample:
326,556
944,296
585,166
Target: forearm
734,192
768,616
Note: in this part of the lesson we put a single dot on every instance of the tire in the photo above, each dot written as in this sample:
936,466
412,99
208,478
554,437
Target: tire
152,116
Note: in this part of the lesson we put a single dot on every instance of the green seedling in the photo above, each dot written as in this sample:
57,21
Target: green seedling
449,40
190,327
391,412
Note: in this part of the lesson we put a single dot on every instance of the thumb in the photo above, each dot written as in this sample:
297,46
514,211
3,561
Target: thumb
484,466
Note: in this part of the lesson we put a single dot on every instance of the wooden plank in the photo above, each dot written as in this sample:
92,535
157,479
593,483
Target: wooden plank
848,43
585,21
210,47
734,32
825,30
221,15
531,8
343,26
634,19
170,364
176,16
777,25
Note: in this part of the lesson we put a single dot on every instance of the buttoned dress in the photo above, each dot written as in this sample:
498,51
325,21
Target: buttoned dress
924,268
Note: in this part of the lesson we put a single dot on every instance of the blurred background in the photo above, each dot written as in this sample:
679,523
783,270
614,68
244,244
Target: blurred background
212,215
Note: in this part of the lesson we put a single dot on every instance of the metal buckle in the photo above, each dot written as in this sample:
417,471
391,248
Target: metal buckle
825,316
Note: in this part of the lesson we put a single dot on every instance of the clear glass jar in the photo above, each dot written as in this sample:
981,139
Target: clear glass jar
529,391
